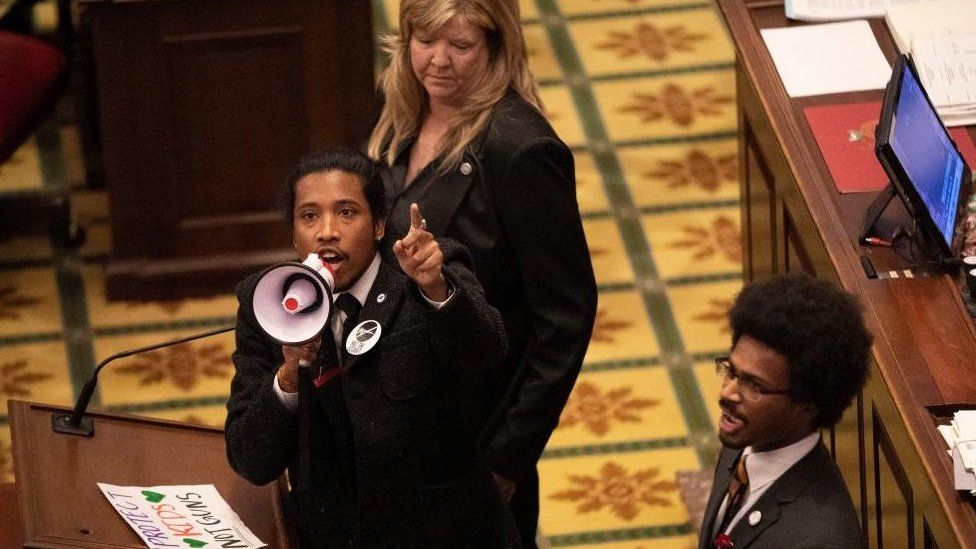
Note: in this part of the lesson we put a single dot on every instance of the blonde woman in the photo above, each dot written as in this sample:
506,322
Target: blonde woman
463,134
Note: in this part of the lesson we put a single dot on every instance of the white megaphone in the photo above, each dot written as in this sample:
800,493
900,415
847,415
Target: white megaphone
292,301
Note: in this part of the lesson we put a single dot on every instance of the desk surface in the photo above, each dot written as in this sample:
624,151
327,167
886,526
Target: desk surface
925,343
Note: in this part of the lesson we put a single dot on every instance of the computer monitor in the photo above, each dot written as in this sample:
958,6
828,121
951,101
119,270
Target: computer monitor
924,165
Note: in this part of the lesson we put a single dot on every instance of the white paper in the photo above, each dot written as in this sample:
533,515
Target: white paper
963,479
947,68
932,19
949,434
829,58
834,10
967,451
965,422
180,516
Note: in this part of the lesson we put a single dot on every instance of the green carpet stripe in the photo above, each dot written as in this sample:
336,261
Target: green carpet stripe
29,191
92,258
641,11
18,264
202,323
621,364
690,398
615,287
381,19
703,279
21,339
614,448
74,317
677,139
678,71
622,287
707,356
166,405
703,205
669,337
381,27
659,310
658,73
71,285
49,151
655,300
382,23
550,82
590,216
607,536
572,67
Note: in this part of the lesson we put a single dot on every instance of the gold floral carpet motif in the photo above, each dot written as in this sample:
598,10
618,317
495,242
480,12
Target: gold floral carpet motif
643,92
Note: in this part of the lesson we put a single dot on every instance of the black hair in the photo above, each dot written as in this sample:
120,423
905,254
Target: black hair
818,328
346,160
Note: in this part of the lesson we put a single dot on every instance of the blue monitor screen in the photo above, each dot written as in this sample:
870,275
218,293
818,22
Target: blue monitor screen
927,155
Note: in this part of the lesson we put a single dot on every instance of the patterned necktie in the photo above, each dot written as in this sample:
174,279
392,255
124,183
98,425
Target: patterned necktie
738,487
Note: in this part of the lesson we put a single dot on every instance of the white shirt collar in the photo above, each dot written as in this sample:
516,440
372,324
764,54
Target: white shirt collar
360,289
765,467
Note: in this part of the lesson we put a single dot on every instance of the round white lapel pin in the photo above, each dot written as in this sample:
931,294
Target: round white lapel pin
466,168
754,518
381,298
363,337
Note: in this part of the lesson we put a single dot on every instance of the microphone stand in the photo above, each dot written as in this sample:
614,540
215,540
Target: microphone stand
74,423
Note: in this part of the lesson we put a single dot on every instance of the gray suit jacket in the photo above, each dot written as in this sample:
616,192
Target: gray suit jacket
807,507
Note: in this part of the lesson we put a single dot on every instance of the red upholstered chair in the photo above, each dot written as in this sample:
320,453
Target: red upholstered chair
32,75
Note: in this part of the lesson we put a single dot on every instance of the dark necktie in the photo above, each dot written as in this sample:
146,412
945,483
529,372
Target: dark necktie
738,487
334,426
350,306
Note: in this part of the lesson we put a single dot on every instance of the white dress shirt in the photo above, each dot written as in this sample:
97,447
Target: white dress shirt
763,468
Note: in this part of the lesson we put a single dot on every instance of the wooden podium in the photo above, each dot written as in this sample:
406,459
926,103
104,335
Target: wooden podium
204,107
61,505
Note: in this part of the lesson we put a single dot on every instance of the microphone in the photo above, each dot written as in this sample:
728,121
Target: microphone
292,303
74,423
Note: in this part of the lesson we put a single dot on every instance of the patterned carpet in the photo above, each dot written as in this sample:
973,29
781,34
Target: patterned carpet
643,90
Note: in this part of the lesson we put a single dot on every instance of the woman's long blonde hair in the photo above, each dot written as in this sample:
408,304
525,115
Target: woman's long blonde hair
406,99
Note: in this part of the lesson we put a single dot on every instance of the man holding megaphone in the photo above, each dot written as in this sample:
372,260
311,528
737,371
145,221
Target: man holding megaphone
370,411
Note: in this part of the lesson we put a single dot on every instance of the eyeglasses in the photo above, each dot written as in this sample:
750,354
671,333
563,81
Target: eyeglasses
749,388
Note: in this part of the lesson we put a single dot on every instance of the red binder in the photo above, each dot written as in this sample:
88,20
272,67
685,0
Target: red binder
845,135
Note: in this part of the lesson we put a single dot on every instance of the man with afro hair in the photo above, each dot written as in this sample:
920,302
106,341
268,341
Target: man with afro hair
800,354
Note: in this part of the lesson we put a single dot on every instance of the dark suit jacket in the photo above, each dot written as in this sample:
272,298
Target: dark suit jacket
807,507
418,480
515,210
